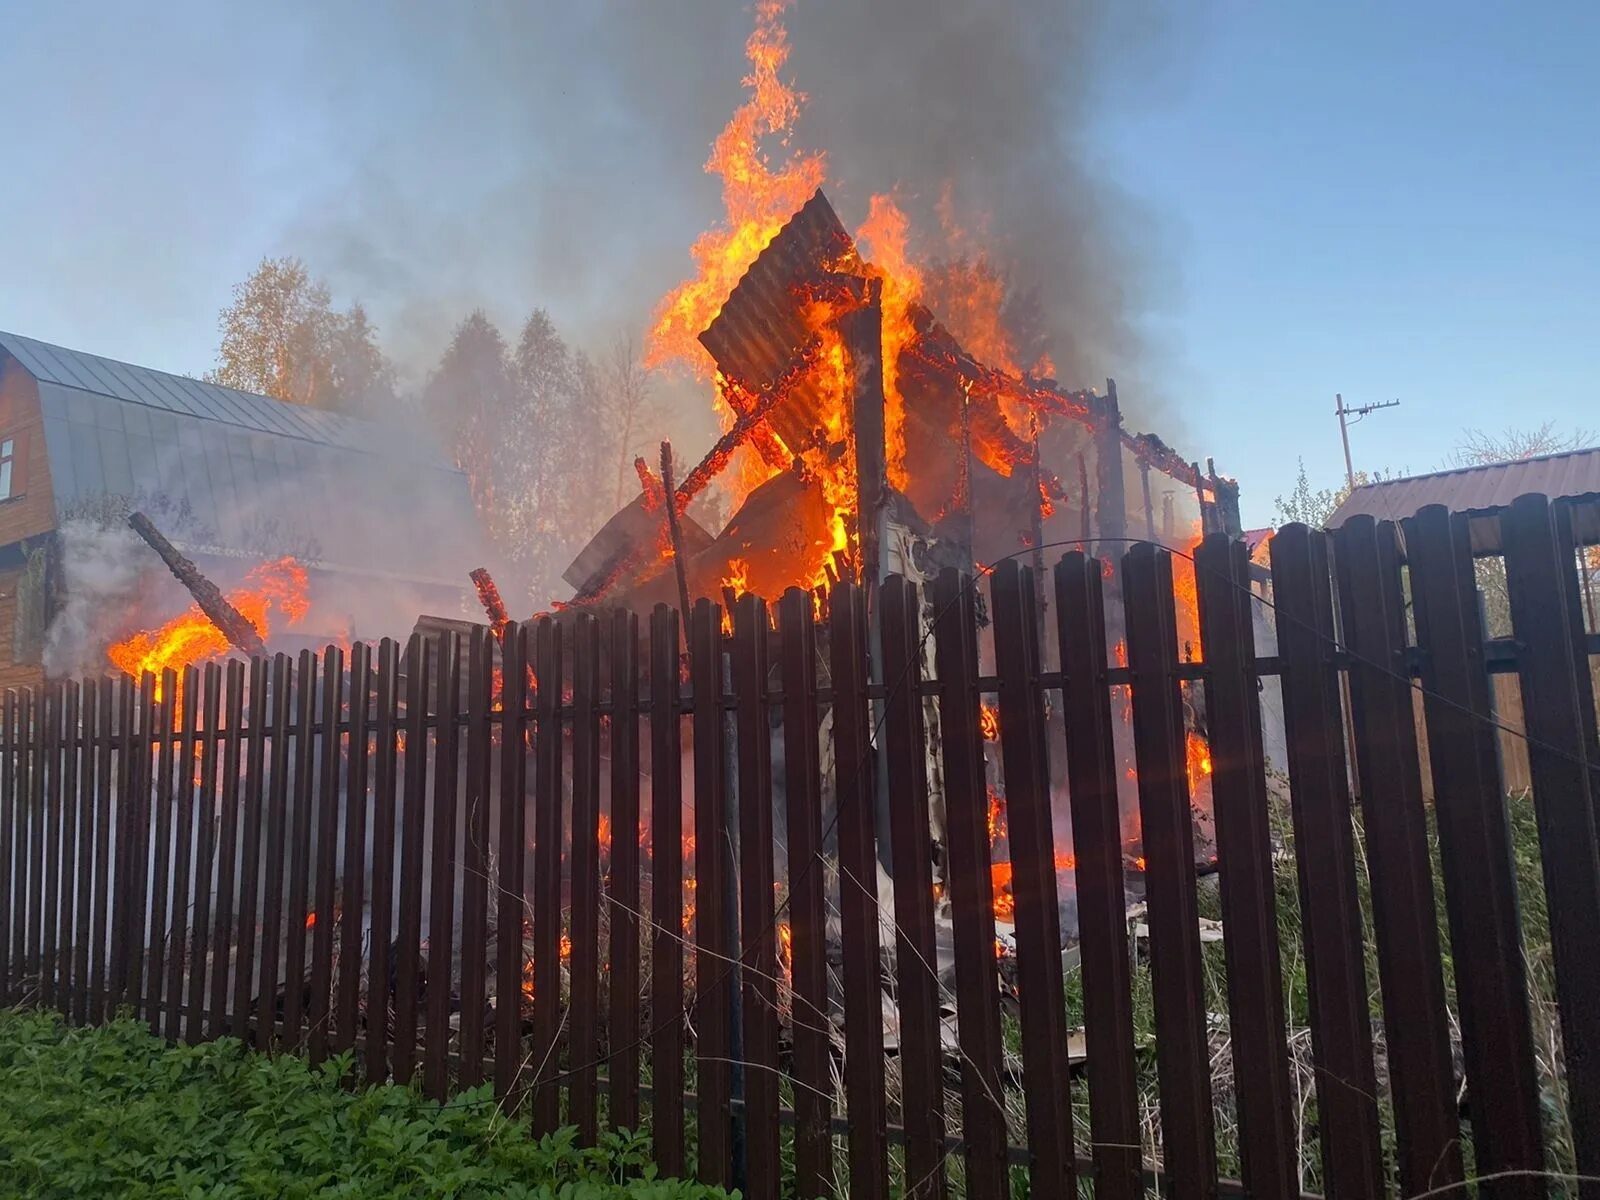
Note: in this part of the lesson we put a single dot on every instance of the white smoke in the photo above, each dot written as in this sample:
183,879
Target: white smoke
101,566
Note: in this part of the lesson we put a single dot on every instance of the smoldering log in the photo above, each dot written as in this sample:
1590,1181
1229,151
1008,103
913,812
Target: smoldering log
229,620
489,596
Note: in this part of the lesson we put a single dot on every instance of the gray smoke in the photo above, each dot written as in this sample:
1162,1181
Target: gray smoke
518,155
101,568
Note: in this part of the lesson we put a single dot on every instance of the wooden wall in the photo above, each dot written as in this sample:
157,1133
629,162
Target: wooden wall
30,510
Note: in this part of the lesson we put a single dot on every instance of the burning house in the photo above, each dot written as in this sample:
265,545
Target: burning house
316,525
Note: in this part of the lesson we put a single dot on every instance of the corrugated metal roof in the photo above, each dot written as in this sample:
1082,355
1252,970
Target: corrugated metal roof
256,475
1484,490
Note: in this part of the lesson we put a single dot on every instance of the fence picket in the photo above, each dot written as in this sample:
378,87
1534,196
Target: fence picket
182,851
84,871
10,822
545,1052
916,948
584,961
381,965
268,1016
64,894
205,844
475,859
971,887
666,894
245,972
301,823
622,883
1406,926
353,912
223,936
324,916
442,870
808,967
1182,1057
99,954
47,855
1098,872
166,730
412,824
510,896
1564,796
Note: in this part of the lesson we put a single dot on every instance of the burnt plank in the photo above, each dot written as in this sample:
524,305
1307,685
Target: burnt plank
758,942
47,856
301,820
353,912
1244,858
11,822
713,973
1422,1076
545,1062
442,860
408,939
89,742
916,950
971,885
106,737
205,848
858,893
808,950
1038,914
222,933
475,859
1182,1059
666,895
277,805
510,904
584,963
381,965
1325,862
1102,902
182,850
622,881
1564,794
324,915
166,731
1475,854
245,973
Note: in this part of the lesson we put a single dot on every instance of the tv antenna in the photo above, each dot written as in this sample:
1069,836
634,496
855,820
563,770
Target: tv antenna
1344,428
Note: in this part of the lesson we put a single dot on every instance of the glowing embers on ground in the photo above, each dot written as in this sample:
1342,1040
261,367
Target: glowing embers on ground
277,588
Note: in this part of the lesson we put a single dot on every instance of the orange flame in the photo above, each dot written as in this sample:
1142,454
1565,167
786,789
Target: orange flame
884,232
1197,760
988,723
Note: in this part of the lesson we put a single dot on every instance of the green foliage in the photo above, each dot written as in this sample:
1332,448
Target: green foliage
115,1112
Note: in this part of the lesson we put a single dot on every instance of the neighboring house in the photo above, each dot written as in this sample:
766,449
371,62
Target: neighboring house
384,523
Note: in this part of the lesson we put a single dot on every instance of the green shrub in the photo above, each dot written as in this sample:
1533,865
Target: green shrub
114,1112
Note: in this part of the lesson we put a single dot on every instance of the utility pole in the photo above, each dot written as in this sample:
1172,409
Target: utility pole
1344,431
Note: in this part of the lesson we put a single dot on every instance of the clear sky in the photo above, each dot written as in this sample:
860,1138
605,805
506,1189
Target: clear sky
1383,200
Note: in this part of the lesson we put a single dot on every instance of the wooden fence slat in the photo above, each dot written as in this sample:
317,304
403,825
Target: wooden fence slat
583,967
1567,548
205,844
30,836
245,972
10,823
442,887
1422,1076
1098,871
509,903
545,1052
713,973
105,738
47,848
1031,835
325,915
757,934
137,787
666,895
1564,795
182,851
971,886
168,718
353,910
808,954
622,884
1244,856
66,857
856,775
1325,861
381,965
412,826
223,933
268,1015
301,821
916,948
1183,1061
87,795
1475,854
475,859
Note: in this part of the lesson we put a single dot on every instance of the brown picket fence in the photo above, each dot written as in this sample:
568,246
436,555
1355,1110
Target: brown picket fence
685,879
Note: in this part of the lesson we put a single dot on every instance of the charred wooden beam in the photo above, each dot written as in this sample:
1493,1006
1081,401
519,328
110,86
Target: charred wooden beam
229,620
1111,502
678,564
489,597
862,332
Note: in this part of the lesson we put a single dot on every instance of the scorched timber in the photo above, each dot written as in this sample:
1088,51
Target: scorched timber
229,620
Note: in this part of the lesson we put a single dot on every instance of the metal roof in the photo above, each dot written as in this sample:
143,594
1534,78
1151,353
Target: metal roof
257,475
1484,490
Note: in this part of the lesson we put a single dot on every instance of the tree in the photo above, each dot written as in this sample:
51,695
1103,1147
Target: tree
630,407
282,337
1477,448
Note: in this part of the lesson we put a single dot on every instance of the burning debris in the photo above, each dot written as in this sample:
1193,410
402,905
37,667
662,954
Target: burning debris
208,596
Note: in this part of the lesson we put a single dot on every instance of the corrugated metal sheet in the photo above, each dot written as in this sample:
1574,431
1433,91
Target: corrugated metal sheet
1483,491
256,476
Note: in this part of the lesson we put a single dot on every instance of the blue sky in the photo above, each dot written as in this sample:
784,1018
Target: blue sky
1380,200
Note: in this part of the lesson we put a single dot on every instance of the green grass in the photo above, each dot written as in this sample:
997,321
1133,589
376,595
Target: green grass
114,1112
